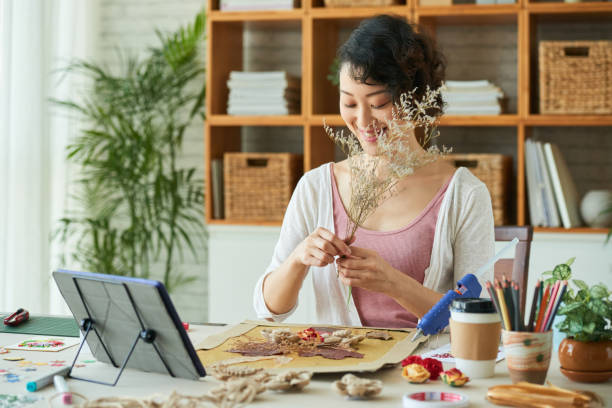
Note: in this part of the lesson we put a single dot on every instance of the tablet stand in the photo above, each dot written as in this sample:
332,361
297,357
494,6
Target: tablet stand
88,324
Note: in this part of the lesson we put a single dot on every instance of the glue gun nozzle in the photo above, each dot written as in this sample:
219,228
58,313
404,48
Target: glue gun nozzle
418,334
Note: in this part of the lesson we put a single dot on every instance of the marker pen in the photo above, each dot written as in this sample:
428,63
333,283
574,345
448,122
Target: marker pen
46,380
62,387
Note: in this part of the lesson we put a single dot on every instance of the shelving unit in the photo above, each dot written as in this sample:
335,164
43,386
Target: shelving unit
321,28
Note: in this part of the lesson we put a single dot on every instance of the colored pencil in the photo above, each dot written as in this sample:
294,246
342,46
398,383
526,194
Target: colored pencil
495,301
502,306
551,303
518,318
558,301
534,302
509,304
543,301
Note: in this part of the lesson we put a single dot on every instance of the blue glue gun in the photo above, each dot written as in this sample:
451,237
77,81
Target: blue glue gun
437,318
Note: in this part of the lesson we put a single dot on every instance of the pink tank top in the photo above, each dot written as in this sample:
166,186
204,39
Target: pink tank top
407,249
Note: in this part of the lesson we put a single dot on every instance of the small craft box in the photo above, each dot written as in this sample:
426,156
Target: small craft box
258,186
495,170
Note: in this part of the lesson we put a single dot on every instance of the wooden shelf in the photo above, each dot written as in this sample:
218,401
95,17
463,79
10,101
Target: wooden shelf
581,230
452,120
217,221
323,28
481,120
355,12
264,120
570,8
272,15
568,120
469,14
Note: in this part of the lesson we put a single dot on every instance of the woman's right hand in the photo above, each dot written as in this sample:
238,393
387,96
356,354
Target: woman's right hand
320,248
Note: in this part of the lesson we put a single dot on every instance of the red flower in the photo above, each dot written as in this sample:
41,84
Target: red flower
434,367
412,360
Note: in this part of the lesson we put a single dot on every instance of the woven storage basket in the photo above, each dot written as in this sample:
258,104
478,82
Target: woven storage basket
258,186
495,170
575,77
360,3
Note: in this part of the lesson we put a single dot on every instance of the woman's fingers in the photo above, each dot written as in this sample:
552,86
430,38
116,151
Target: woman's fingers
354,263
341,247
322,256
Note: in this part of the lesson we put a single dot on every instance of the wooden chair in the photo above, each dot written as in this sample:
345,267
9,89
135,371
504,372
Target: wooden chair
515,268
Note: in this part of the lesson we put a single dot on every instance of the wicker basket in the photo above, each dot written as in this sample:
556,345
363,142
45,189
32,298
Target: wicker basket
360,3
575,77
495,170
258,186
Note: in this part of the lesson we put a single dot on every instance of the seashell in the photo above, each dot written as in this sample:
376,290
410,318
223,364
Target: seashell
332,340
354,386
378,334
342,333
289,381
352,340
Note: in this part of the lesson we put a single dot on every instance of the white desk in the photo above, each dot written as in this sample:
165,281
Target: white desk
318,394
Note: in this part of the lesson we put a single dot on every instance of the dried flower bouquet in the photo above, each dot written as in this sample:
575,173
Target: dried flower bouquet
375,178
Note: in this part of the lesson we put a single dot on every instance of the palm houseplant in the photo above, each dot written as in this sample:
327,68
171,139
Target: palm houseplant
586,352
138,208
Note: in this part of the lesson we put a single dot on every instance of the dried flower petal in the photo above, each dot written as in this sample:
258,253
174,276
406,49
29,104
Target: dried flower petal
434,367
412,360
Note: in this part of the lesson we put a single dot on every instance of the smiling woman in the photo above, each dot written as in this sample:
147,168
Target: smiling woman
418,242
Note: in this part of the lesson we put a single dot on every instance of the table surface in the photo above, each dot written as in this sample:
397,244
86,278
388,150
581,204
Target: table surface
319,393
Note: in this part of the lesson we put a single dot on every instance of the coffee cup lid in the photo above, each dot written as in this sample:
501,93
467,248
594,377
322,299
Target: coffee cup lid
473,305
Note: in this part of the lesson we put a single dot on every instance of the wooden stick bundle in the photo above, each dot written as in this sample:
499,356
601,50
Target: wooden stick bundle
524,394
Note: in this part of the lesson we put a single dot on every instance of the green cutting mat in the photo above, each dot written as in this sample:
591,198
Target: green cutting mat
49,326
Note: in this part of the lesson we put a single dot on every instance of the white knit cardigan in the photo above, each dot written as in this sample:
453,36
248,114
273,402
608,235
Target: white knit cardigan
463,241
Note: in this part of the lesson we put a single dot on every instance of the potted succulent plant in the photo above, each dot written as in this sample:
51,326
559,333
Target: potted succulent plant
586,352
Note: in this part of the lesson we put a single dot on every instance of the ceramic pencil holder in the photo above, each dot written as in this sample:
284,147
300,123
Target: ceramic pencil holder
527,355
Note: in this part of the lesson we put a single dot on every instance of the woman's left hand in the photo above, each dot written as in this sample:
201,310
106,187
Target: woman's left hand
366,269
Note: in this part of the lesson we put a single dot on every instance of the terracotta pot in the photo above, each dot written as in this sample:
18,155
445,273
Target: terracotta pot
586,361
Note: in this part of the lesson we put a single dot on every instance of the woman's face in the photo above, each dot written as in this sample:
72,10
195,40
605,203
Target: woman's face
365,108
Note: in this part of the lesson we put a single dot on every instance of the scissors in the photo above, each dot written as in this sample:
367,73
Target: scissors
20,316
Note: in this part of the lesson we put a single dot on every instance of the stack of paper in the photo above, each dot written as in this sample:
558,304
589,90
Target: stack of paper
552,196
240,5
263,93
472,98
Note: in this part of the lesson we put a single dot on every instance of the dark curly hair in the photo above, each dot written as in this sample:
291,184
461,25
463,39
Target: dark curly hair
388,50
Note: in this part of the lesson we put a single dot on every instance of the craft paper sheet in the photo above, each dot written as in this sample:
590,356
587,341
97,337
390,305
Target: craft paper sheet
44,344
377,353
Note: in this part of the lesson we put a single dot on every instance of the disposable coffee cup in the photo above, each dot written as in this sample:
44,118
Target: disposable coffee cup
475,330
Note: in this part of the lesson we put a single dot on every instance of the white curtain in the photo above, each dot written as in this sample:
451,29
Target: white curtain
37,37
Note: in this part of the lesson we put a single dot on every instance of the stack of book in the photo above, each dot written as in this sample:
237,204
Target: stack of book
552,196
244,5
472,98
263,93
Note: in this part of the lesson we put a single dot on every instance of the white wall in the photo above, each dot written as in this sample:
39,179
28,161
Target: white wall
130,25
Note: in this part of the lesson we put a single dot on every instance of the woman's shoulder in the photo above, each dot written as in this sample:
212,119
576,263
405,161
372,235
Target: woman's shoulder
466,182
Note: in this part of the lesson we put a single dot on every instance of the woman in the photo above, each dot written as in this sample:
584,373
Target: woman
418,243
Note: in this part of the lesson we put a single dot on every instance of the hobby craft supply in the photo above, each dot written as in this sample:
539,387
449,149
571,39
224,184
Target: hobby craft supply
44,344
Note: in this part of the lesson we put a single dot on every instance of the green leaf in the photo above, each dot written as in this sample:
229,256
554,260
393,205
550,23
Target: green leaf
564,309
599,291
575,326
599,307
570,261
589,327
562,272
580,284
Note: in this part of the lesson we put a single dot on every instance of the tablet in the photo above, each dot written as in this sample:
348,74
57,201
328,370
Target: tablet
120,307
